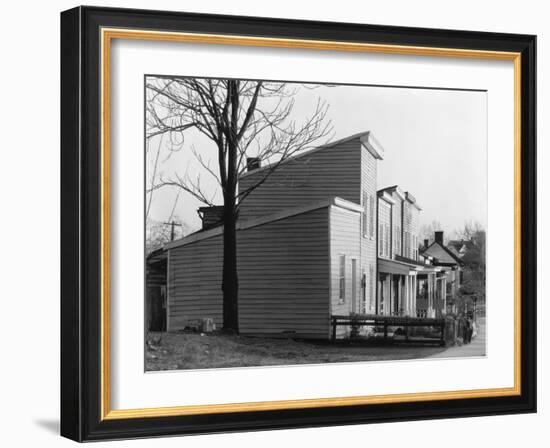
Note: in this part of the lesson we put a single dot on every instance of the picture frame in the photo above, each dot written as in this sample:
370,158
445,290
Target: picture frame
86,37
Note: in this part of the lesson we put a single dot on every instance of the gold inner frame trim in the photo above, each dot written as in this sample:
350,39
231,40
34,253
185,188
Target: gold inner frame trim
107,35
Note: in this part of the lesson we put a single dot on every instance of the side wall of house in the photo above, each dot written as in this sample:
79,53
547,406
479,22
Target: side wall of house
283,269
345,232
368,242
327,172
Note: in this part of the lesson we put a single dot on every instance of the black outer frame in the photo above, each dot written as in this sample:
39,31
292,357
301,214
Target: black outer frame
80,223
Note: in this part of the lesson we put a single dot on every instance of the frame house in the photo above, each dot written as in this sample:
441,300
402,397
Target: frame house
450,277
306,246
398,264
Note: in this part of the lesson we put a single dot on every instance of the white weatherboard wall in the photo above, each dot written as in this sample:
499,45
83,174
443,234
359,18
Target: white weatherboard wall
30,373
345,228
283,269
315,176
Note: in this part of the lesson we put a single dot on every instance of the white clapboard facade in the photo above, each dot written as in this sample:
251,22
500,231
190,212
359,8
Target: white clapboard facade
306,246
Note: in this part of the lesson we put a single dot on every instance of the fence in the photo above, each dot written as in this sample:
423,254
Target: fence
374,320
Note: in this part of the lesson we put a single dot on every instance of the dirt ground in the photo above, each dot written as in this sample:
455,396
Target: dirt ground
175,351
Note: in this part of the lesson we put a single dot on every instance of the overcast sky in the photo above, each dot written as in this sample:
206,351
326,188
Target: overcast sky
435,145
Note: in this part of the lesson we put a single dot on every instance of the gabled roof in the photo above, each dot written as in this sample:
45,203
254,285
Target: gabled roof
453,258
365,137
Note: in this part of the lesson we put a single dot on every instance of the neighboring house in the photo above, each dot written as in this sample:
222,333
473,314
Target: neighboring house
306,246
442,256
460,247
155,290
431,295
397,254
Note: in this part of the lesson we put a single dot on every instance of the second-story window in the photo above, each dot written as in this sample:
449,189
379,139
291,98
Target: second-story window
397,240
380,239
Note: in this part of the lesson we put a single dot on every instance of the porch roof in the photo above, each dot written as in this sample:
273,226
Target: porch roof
395,267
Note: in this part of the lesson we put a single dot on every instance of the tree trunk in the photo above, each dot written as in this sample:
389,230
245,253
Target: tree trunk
230,282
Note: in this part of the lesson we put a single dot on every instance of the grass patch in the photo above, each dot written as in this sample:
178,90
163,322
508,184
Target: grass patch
174,351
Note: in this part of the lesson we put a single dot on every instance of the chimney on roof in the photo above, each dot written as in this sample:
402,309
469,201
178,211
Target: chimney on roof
211,216
439,237
426,243
253,163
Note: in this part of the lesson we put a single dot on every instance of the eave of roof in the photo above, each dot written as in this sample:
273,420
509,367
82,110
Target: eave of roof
412,200
384,195
395,189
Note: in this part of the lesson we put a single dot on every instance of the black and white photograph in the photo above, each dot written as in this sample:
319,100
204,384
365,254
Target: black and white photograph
302,223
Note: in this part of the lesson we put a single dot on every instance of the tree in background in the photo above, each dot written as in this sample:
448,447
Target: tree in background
242,119
159,233
473,237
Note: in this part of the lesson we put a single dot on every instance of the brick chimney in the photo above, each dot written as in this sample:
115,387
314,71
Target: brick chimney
253,163
426,243
439,237
211,216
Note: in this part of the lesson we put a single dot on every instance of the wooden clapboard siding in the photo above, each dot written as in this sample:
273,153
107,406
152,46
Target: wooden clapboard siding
194,277
283,269
368,243
345,233
327,172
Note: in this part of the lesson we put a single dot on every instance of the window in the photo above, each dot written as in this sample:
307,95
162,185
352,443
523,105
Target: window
397,239
365,207
371,217
380,239
342,278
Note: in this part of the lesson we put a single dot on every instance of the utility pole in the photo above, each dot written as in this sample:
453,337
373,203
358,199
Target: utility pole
173,224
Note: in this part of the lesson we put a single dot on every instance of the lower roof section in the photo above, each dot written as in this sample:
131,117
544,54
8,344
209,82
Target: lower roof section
287,213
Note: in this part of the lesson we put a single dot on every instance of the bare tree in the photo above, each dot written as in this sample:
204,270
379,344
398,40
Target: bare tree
473,236
242,119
